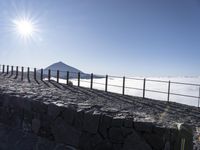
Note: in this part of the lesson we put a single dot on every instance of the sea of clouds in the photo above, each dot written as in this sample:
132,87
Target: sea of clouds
192,90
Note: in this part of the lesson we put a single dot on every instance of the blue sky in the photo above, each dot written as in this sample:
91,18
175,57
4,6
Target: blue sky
119,37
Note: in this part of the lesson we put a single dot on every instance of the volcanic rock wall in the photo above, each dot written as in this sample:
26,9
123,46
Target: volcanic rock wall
87,130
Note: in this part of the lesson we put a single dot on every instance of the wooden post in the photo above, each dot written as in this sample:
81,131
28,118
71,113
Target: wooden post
79,78
144,87
3,68
22,74
168,91
106,84
199,98
91,82
67,77
58,76
34,73
17,71
7,69
49,74
11,70
41,77
123,88
28,73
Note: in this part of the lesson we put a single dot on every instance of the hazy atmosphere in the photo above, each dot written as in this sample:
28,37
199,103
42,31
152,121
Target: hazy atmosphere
131,37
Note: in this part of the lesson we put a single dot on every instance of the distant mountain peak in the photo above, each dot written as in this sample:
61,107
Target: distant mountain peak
62,67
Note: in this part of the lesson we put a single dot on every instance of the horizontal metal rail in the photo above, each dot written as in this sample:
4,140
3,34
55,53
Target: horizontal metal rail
79,77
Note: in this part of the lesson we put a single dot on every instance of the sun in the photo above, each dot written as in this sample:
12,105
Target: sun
25,28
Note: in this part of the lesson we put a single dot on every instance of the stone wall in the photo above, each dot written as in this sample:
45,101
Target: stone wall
88,130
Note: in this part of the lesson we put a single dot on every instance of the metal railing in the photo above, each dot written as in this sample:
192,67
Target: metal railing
57,75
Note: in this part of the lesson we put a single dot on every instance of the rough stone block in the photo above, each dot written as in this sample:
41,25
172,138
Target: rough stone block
143,126
127,131
135,142
105,123
104,145
116,135
128,123
117,146
39,107
157,142
117,122
91,122
35,125
65,133
79,119
84,142
53,111
68,115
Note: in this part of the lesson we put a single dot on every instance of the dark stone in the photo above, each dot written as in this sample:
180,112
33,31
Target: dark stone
44,144
127,131
35,125
85,141
38,107
68,115
135,142
104,145
28,142
157,142
116,135
117,146
65,133
79,119
143,126
159,130
117,122
26,104
184,137
53,111
89,141
96,139
104,124
128,123
91,122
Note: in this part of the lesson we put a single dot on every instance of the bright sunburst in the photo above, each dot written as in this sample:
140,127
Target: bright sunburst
25,28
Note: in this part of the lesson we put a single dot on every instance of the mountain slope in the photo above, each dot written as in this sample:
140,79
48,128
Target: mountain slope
62,67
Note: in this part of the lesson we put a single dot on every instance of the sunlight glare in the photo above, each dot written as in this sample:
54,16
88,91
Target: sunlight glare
25,28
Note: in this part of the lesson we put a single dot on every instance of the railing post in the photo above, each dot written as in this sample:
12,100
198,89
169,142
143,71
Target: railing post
106,84
41,77
3,68
123,88
91,82
169,84
17,69
199,98
34,73
11,70
144,87
58,76
49,74
22,74
7,69
67,77
28,73
79,78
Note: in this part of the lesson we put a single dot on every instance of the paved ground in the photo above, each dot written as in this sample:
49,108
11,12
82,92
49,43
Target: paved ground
158,112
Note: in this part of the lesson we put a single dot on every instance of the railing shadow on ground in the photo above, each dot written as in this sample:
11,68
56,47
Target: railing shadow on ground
45,76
